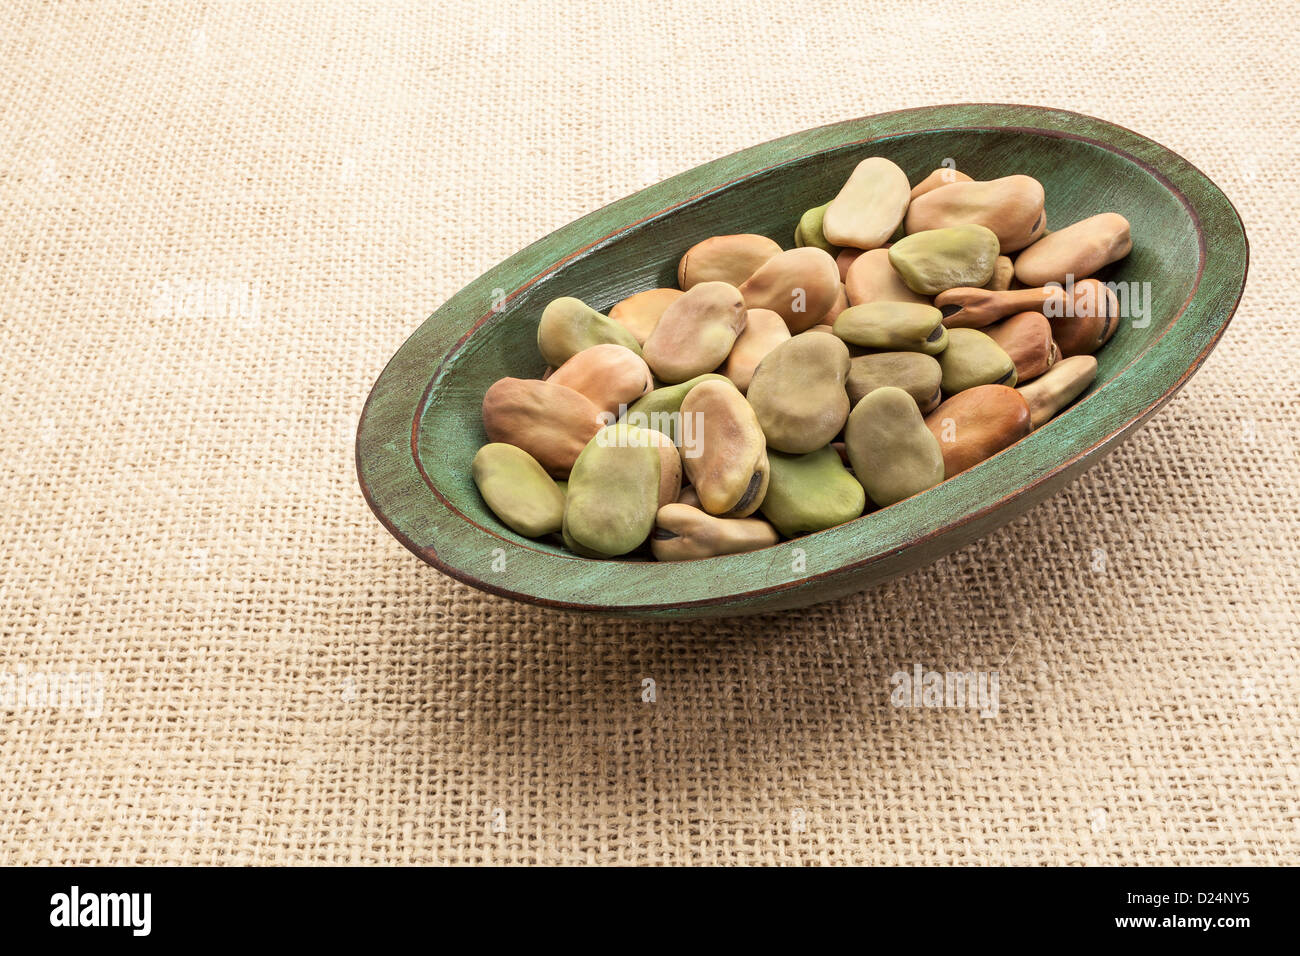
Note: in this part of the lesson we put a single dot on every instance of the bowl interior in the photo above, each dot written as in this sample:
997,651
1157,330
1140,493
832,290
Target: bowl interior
1080,177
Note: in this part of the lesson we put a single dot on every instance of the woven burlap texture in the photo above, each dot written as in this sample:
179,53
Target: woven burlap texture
219,220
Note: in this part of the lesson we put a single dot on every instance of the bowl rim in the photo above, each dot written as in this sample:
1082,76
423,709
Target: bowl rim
387,466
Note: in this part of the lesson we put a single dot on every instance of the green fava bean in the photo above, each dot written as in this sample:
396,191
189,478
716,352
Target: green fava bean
661,409
893,327
613,492
809,231
798,392
811,492
936,260
971,359
916,373
518,489
894,455
569,326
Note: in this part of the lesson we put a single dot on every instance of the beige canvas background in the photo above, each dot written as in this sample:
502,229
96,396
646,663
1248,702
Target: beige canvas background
272,679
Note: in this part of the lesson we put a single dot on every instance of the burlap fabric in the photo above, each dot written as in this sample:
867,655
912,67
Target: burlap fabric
219,220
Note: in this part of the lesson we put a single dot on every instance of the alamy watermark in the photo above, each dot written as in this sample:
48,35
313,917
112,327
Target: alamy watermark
178,298
684,429
39,690
1132,299
972,690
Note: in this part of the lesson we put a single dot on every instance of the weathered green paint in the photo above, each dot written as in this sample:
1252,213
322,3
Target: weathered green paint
421,426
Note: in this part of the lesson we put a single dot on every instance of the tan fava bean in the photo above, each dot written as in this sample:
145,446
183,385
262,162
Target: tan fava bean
518,489
1057,387
764,331
973,358
728,467
869,206
940,177
1090,320
893,454
1004,270
569,325
809,231
872,278
975,308
797,392
977,424
609,375
935,260
800,285
893,327
916,373
1078,250
670,466
730,259
1027,338
553,423
640,313
1011,206
696,332
613,493
683,533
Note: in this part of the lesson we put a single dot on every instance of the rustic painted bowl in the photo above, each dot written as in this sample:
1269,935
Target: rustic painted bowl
421,425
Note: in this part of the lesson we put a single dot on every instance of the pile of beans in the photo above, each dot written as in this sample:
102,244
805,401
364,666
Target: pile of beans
782,392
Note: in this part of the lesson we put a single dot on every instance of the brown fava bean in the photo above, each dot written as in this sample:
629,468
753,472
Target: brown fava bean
845,259
872,278
1057,387
916,373
1027,338
696,332
683,533
974,308
729,466
730,259
797,392
800,285
1078,250
553,423
764,331
841,303
609,375
869,206
1089,322
1011,206
1004,270
689,496
976,424
940,177
640,313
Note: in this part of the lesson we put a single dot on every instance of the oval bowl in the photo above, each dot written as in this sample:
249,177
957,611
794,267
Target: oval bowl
421,424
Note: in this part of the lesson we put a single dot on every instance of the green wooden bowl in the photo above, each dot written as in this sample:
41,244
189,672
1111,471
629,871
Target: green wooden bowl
421,424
